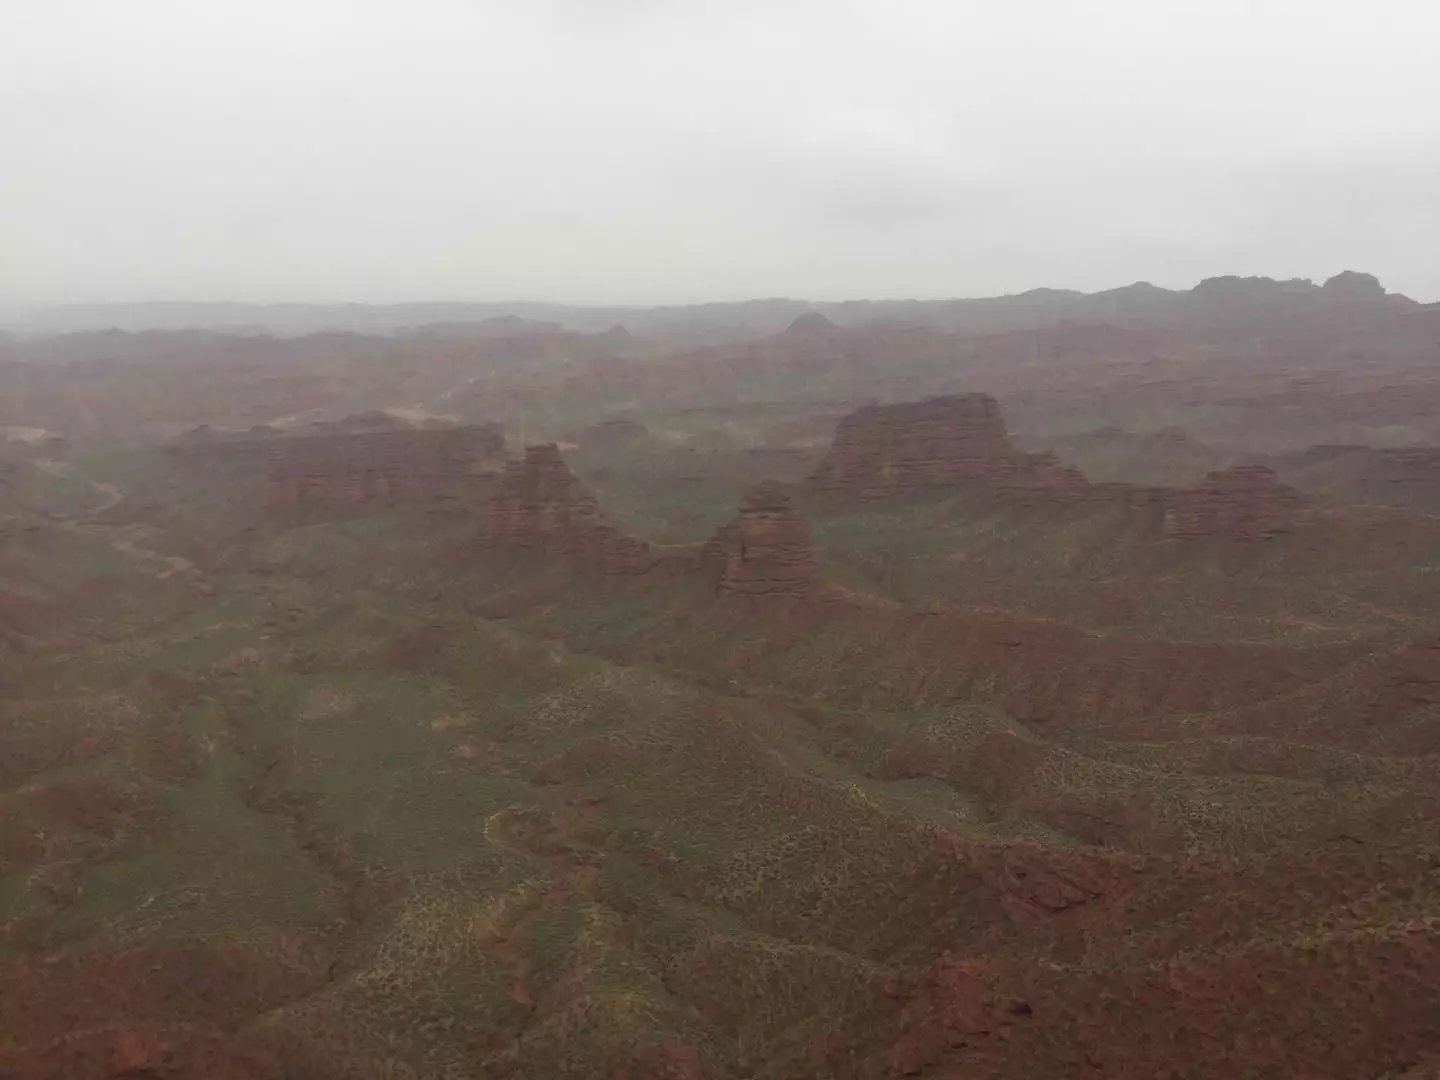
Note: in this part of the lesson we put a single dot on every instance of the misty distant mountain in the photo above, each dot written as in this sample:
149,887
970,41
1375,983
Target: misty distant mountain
722,321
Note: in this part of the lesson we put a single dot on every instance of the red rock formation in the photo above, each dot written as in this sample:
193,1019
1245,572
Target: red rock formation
766,551
883,450
956,1004
1245,503
541,507
958,442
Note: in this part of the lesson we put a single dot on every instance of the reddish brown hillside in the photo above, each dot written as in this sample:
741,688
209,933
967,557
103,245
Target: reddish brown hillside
1301,967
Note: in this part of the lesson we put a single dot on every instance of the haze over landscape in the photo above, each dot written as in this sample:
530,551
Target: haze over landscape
658,540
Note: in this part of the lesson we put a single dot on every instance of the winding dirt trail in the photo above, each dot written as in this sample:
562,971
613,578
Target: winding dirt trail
128,542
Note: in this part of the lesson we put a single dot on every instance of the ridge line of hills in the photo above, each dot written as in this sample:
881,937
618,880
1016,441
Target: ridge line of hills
1010,311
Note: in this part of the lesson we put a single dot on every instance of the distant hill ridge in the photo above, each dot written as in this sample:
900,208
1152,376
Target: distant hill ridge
712,321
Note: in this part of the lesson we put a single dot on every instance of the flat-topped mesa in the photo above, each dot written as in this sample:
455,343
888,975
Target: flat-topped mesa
540,507
357,469
766,551
1354,285
955,441
1245,503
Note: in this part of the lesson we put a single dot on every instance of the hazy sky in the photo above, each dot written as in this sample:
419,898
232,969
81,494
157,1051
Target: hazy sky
669,150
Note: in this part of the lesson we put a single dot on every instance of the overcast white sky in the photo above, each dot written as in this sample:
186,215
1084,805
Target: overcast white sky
673,150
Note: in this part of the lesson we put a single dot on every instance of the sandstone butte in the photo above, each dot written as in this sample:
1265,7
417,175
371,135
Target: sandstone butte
961,442
1245,502
540,507
766,550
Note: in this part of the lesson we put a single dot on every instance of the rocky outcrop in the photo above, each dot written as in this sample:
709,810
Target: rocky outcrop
1354,285
1245,503
540,507
1232,290
942,442
766,551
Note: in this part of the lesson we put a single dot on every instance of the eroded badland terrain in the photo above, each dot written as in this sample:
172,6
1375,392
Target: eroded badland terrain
1038,687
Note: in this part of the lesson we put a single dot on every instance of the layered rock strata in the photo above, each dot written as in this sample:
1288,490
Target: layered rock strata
766,551
955,441
1244,503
